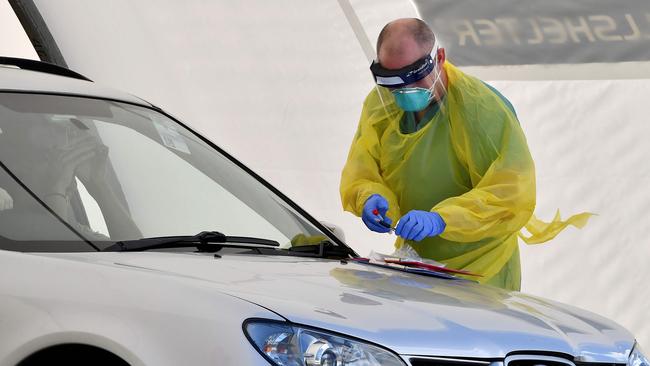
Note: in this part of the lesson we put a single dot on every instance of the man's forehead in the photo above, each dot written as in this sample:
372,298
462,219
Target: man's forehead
399,51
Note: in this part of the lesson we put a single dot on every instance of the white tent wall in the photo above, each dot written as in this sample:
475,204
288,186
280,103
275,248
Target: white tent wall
14,40
280,85
589,140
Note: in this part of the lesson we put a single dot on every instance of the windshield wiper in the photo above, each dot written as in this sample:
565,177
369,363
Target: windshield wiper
205,241
324,249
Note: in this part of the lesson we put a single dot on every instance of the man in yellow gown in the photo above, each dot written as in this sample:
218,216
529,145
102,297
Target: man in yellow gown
444,153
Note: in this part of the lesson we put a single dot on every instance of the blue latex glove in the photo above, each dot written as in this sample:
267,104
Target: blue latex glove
379,203
417,225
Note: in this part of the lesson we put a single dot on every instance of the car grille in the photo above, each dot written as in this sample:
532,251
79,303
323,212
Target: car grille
536,360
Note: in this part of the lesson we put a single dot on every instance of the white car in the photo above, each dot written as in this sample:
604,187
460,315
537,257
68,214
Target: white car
127,238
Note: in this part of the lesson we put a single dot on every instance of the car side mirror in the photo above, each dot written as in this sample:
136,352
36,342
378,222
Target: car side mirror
336,230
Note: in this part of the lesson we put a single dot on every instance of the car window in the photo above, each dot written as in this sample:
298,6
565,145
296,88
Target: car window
112,171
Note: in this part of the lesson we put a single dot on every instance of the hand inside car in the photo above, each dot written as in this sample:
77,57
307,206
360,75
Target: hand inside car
6,202
83,155
92,171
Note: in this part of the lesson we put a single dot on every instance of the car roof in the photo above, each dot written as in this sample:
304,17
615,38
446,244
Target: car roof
29,81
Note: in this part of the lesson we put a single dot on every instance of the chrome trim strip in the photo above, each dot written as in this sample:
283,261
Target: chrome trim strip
407,358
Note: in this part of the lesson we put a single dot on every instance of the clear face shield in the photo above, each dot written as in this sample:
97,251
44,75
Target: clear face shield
406,86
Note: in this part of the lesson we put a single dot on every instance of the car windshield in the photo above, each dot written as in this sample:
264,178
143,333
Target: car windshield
78,170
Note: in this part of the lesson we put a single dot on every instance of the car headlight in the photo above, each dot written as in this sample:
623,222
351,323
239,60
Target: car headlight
289,345
637,358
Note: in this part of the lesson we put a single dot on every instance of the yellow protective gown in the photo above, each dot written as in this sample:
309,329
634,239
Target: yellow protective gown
470,163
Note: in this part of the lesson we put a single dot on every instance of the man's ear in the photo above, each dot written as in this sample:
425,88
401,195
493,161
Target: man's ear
441,56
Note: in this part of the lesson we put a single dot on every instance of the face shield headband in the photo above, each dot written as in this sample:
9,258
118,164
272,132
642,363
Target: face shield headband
406,75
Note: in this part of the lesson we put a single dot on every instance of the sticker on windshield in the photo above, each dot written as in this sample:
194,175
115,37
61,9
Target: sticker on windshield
171,138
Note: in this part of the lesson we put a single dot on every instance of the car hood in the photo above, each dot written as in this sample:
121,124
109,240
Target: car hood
410,314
